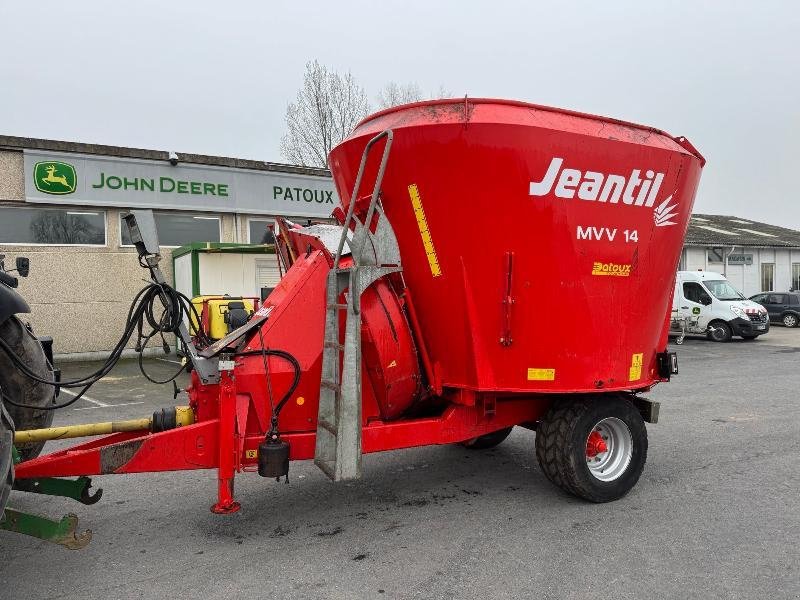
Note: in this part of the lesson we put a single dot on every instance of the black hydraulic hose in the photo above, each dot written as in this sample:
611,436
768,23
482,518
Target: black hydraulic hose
176,307
287,357
73,400
265,361
112,359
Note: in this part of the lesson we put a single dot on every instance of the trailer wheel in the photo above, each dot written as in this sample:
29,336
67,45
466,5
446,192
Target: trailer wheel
18,387
490,440
594,448
6,457
722,332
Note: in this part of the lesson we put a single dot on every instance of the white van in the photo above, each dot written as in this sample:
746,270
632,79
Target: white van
706,302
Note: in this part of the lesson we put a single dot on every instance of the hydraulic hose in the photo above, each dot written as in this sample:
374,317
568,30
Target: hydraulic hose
291,360
143,310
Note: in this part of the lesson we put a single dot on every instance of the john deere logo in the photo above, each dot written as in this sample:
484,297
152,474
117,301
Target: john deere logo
54,177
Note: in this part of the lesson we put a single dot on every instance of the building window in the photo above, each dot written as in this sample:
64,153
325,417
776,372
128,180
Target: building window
722,255
52,226
178,230
715,255
259,231
767,277
795,276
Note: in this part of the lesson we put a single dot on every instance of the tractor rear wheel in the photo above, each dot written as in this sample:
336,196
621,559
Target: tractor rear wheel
6,457
490,440
19,388
594,448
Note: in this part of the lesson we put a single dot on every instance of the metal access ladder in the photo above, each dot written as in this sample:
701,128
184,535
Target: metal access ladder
375,254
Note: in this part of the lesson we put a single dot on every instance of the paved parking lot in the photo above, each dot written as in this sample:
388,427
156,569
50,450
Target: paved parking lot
715,515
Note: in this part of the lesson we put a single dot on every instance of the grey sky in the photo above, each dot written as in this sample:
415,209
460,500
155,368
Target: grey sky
216,78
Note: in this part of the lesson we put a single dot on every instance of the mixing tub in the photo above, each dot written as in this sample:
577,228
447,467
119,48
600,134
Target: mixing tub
539,246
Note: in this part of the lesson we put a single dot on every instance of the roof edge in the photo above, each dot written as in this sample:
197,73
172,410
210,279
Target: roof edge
719,244
10,142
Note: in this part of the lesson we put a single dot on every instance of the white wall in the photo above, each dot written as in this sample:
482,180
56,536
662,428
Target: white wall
234,274
695,259
183,274
736,274
747,278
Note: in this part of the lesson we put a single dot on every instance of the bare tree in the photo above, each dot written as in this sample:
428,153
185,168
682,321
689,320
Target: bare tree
442,92
326,110
394,94
55,227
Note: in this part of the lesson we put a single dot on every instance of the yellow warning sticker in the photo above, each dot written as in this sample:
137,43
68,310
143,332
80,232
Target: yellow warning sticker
251,453
635,372
541,374
424,232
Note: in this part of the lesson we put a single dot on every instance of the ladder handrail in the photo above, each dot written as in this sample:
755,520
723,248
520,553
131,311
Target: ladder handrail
389,135
337,448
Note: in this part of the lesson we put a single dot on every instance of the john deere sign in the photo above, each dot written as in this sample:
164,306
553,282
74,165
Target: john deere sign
165,184
134,183
54,177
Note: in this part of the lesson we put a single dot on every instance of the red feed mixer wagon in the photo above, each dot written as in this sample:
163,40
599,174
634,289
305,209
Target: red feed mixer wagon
495,264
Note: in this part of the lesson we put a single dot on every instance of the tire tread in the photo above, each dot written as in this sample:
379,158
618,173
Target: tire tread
552,442
558,454
6,457
22,389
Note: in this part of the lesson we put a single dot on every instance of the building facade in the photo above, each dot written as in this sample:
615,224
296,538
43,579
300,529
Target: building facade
61,205
755,257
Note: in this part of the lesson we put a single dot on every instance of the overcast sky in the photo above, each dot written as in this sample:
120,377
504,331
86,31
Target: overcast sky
215,78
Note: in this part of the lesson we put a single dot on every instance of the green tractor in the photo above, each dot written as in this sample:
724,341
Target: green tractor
14,391
27,404
26,401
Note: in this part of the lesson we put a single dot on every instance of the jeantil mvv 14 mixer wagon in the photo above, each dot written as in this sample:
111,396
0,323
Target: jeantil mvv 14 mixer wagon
495,264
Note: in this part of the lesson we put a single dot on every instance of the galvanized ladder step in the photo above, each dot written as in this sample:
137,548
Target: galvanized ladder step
338,444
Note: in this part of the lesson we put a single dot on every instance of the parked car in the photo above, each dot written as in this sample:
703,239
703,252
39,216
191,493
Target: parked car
782,307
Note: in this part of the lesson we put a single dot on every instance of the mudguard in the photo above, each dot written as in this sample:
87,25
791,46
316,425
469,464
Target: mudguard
11,303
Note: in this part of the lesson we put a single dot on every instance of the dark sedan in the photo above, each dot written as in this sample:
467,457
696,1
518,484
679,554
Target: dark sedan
782,307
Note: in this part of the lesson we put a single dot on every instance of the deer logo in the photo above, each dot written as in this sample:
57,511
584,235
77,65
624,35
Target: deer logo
54,177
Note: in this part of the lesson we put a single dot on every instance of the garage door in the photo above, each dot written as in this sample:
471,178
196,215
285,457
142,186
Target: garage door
267,273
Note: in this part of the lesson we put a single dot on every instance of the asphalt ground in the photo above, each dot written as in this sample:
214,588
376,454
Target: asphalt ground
716,513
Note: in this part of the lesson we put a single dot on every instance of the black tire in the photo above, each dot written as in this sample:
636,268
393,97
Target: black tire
20,388
6,457
561,446
490,440
790,320
722,332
